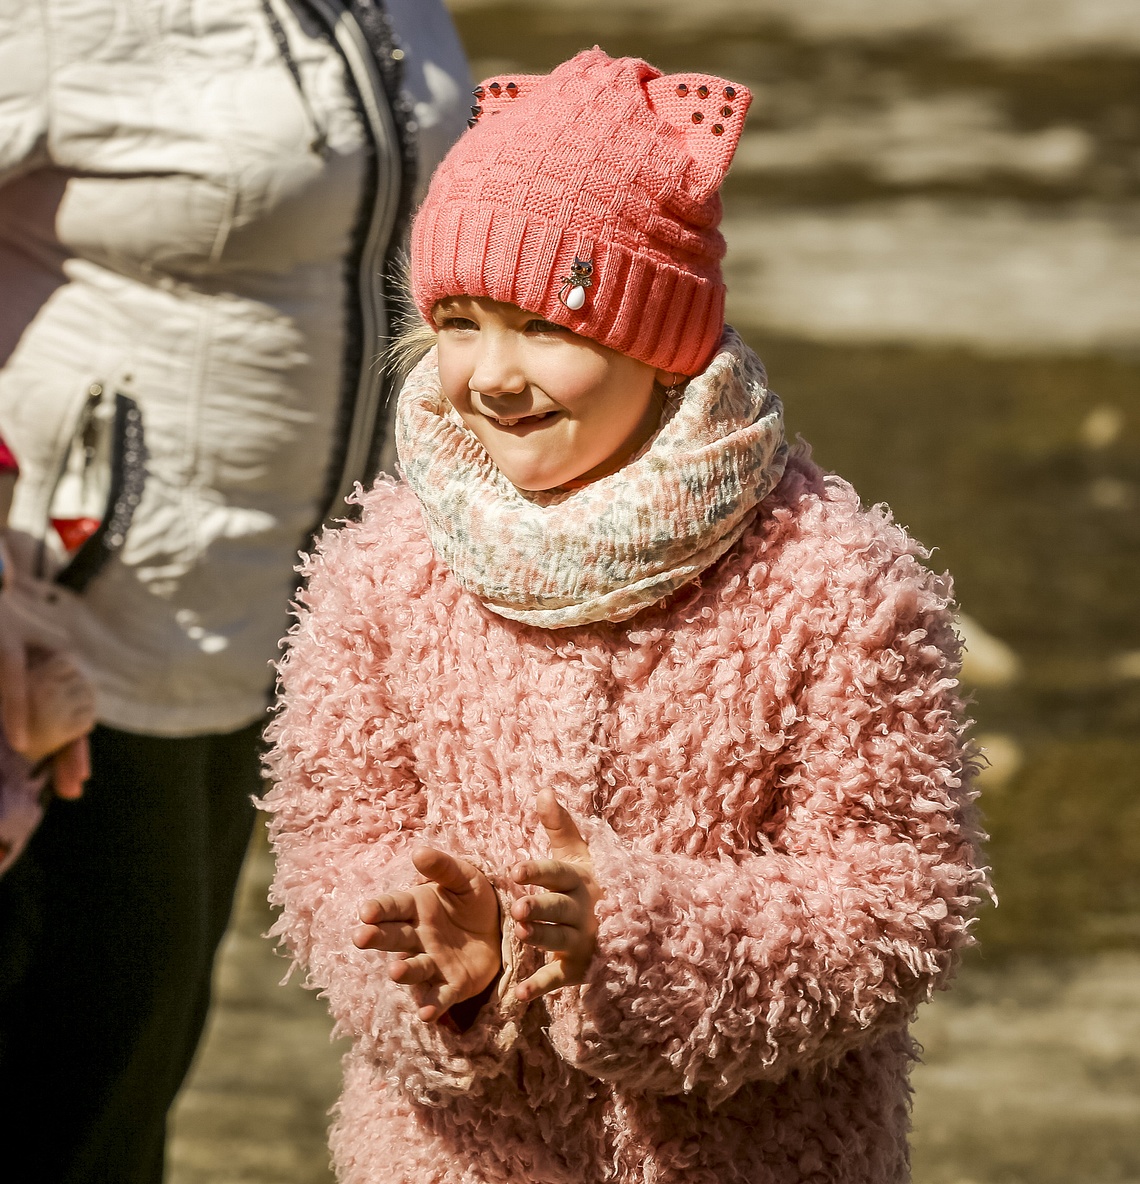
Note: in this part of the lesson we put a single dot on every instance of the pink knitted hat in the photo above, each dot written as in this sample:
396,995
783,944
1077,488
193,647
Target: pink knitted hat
590,197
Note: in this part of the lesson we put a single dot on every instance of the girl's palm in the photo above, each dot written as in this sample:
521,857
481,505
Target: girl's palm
445,932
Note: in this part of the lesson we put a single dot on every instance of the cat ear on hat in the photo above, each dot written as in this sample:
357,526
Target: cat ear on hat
495,95
709,112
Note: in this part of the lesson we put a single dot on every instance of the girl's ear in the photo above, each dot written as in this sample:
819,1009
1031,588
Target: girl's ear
669,379
709,113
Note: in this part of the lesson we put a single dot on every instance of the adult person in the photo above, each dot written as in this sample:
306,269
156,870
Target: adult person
201,205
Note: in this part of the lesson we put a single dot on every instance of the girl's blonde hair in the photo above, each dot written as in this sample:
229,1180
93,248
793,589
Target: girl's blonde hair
412,337
412,340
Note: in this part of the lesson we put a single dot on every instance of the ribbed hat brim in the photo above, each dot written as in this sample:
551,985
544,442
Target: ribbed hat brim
644,307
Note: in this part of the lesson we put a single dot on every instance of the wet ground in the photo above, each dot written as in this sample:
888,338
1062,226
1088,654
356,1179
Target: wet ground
934,242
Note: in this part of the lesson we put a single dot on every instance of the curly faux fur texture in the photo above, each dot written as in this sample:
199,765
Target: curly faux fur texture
771,770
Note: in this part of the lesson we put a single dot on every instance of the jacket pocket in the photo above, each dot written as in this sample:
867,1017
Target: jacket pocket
99,486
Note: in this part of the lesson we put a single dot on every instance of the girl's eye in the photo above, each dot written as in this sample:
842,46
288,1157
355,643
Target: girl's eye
457,323
544,327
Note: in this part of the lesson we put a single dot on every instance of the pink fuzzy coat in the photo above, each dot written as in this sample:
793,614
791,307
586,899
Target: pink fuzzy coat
769,769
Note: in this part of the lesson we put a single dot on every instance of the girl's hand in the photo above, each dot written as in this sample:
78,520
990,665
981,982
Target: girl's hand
561,919
444,932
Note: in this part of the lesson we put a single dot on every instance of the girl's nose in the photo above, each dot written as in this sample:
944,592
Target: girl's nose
498,367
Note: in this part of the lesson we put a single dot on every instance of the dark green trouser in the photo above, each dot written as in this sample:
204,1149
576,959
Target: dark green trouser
108,927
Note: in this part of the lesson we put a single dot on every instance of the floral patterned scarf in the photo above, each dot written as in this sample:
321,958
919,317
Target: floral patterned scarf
606,550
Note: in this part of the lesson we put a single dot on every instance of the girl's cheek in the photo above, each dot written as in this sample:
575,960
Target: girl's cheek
452,376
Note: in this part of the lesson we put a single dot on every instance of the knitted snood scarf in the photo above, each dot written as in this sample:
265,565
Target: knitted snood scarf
606,550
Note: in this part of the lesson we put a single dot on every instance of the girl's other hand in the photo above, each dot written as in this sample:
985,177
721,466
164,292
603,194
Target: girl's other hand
560,920
445,932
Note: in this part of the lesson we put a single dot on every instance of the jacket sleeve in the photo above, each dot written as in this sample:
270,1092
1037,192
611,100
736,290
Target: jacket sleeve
346,809
710,973
23,87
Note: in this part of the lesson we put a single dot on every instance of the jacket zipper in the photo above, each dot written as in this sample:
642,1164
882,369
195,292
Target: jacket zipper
362,424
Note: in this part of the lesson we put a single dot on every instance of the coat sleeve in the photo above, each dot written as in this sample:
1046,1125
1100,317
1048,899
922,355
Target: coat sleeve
23,87
710,973
346,809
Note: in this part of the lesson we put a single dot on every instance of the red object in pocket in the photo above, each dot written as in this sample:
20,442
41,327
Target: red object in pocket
7,460
74,532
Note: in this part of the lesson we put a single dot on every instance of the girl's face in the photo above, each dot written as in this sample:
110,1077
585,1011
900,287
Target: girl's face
549,407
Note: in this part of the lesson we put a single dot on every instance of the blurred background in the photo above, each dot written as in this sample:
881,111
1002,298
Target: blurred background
934,242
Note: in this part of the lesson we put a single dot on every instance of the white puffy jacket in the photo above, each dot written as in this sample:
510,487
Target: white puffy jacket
194,220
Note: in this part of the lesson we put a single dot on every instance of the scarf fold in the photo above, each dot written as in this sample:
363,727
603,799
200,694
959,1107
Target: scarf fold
606,550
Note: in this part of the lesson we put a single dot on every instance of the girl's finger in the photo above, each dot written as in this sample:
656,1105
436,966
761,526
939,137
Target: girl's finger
549,873
396,906
391,937
432,999
566,842
550,977
555,908
449,873
556,938
408,971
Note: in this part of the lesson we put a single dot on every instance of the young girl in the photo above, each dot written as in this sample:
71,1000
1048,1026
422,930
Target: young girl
621,806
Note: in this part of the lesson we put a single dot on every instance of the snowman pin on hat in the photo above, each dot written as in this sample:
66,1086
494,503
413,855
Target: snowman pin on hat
572,293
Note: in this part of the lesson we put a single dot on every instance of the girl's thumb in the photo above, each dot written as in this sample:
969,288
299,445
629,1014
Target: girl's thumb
566,842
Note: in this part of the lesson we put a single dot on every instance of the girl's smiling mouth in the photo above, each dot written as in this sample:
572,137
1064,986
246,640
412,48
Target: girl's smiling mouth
521,421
